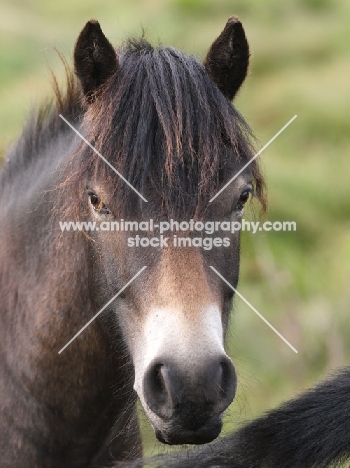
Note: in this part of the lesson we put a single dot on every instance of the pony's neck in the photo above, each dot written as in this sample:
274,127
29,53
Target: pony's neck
68,403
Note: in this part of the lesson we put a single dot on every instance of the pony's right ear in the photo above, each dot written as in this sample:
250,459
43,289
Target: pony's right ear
228,58
95,59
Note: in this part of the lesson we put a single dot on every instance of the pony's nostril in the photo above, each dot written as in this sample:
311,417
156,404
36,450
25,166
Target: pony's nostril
226,373
155,389
226,379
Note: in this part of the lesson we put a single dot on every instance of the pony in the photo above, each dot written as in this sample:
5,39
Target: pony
165,123
140,133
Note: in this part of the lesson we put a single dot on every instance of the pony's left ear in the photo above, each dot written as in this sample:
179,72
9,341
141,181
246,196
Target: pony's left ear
95,59
228,58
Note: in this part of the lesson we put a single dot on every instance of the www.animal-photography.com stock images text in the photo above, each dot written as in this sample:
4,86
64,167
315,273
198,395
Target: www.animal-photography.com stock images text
174,234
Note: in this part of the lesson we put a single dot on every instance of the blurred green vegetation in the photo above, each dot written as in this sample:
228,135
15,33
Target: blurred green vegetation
300,65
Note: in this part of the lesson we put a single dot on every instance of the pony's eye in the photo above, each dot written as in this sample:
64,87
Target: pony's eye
244,197
95,201
97,204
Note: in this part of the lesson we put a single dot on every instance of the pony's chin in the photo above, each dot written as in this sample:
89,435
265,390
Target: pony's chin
174,434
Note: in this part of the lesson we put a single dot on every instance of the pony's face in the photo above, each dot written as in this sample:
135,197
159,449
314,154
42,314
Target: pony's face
174,315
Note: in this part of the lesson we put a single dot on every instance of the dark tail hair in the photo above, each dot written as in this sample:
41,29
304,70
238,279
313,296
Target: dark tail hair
310,431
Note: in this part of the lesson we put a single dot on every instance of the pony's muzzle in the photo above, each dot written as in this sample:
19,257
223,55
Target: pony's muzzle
189,402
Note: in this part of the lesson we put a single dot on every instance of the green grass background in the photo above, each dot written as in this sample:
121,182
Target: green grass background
300,65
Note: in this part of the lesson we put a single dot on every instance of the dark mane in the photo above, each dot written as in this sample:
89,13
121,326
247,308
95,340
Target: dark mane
164,125
160,121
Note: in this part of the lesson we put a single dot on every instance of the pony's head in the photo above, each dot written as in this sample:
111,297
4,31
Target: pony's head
166,123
